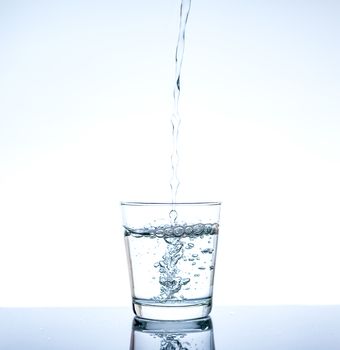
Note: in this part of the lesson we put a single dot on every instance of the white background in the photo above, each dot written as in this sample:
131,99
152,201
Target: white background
85,107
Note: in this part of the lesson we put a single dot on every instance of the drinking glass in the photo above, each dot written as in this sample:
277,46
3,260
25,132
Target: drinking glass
171,250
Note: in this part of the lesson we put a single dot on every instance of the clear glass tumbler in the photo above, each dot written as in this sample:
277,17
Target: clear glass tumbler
171,251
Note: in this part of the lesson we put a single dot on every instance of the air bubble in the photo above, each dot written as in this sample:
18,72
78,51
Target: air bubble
168,231
198,229
137,235
178,231
207,250
215,228
188,230
185,281
208,229
159,233
151,230
171,240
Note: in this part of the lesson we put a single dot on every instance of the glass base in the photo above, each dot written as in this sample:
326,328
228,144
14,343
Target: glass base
170,311
184,326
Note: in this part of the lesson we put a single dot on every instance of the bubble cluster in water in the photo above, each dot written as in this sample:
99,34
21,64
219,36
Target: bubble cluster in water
175,231
173,342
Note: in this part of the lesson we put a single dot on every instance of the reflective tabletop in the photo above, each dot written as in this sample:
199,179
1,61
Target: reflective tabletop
234,327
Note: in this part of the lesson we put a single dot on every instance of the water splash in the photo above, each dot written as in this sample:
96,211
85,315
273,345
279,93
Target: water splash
171,278
175,119
173,342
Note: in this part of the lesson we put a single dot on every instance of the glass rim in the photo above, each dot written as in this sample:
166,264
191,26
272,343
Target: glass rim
137,204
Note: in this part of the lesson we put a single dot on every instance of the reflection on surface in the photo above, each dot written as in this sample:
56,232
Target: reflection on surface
239,327
172,335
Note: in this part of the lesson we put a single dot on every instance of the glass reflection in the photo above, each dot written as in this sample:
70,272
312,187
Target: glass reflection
172,335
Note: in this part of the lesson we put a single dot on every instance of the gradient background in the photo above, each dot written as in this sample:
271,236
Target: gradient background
85,107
